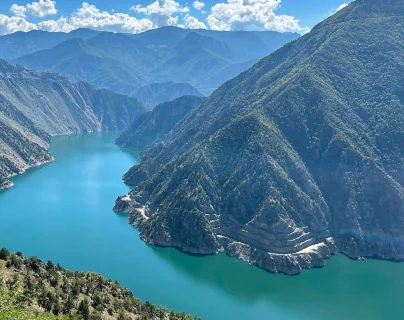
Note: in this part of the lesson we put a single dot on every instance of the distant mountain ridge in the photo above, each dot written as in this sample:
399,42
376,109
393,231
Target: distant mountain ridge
124,63
295,159
18,44
156,93
36,105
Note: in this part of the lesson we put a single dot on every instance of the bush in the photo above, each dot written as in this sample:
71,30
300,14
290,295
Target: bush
4,254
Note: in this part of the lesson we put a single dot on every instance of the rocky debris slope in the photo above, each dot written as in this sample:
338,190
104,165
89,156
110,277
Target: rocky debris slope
302,152
36,105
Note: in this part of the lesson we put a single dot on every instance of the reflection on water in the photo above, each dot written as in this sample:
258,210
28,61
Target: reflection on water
63,211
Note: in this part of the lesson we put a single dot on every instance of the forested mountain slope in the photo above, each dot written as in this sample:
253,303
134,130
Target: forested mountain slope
151,127
36,105
301,154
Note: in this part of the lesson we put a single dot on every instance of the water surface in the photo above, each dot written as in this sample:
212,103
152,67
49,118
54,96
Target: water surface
62,211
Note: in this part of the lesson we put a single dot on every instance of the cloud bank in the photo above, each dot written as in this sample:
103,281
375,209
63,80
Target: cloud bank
230,15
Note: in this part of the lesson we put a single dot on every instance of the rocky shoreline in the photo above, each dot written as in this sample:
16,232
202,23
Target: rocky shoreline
7,184
136,205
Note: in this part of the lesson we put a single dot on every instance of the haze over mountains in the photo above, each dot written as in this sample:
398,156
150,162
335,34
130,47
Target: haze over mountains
124,63
156,93
299,156
36,105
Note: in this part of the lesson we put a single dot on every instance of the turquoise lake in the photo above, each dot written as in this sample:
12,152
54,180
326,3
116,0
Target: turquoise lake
62,211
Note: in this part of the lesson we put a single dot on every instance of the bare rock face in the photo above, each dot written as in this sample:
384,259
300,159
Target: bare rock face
299,156
6,184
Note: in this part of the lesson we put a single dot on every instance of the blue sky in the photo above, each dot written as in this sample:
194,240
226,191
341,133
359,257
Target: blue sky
136,16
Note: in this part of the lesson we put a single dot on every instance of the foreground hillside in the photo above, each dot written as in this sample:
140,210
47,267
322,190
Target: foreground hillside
124,63
36,105
299,156
31,289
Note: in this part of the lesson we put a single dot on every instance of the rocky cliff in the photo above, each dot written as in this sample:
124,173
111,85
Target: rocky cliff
36,105
299,156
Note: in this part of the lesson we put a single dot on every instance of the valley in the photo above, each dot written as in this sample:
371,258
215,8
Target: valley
204,169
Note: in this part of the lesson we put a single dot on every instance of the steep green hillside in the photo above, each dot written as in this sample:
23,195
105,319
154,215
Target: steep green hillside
124,63
302,152
150,127
156,93
36,105
31,289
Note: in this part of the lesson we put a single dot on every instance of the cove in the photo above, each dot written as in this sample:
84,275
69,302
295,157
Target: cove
62,211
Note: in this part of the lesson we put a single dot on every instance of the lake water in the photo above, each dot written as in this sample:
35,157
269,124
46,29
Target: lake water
62,211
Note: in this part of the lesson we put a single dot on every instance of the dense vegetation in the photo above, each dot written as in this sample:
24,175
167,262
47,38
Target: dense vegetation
31,289
124,63
150,127
306,144
35,105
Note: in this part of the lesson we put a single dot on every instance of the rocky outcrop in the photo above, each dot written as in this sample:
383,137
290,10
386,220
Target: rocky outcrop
36,105
5,184
291,264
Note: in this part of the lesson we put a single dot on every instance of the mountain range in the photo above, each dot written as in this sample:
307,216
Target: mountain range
37,105
298,157
124,63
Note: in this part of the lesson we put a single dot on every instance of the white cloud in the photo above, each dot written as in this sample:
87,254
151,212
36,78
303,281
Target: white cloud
191,22
342,6
18,11
60,25
198,5
14,24
42,8
334,11
251,14
161,12
89,16
230,15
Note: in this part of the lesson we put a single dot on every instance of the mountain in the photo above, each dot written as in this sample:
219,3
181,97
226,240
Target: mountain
31,289
124,63
298,157
20,43
36,105
156,93
150,127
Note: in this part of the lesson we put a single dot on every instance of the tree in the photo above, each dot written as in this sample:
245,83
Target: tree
122,315
4,254
84,309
